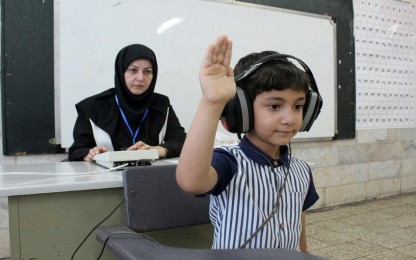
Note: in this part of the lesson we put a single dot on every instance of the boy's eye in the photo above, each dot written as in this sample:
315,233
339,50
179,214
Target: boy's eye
274,107
299,107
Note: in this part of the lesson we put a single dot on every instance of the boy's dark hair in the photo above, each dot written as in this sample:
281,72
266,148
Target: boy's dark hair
277,74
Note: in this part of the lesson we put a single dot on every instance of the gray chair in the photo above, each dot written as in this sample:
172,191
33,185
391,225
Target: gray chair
158,210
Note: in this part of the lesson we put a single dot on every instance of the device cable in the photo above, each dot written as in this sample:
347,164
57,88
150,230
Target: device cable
96,226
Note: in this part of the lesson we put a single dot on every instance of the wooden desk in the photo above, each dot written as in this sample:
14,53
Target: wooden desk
52,207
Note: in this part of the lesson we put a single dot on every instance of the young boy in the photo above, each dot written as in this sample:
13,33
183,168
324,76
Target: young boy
258,191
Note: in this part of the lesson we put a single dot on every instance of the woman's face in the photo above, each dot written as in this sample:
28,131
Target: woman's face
138,76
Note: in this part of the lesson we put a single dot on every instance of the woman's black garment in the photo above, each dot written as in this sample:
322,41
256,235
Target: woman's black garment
102,112
114,125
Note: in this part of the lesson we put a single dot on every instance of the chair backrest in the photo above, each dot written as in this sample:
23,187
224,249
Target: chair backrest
154,201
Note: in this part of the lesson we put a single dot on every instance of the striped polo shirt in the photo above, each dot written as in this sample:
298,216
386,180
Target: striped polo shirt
246,193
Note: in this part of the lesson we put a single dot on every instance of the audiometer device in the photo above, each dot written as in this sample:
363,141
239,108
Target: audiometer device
130,158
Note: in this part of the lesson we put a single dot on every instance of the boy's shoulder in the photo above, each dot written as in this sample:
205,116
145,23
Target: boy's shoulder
296,160
228,150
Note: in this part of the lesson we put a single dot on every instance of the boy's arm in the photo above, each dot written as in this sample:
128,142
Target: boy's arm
194,172
302,242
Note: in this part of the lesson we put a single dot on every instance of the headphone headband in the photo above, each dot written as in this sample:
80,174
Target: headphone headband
250,70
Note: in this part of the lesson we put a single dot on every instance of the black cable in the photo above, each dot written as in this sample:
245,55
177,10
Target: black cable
96,226
123,233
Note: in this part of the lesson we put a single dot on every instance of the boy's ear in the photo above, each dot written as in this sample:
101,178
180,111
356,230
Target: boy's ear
238,115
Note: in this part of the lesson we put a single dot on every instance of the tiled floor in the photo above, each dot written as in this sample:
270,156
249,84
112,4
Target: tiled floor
377,229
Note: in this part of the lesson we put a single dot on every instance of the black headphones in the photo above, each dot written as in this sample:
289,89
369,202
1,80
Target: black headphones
238,116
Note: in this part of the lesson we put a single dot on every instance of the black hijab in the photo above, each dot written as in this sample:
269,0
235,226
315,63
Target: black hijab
133,106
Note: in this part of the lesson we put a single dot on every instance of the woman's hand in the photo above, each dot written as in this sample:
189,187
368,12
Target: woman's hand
139,146
94,151
143,146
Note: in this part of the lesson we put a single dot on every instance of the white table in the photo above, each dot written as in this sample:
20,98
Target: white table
52,207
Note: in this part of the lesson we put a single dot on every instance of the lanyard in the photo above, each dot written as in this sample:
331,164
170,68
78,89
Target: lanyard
127,122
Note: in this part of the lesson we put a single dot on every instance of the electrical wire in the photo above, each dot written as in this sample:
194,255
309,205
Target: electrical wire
96,226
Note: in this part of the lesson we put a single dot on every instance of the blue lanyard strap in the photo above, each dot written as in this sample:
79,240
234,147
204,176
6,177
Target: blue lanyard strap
127,122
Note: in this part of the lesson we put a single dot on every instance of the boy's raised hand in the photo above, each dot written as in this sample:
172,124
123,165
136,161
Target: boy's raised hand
216,76
194,172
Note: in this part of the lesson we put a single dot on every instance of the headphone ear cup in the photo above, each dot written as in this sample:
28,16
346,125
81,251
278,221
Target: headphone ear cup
237,116
229,118
311,110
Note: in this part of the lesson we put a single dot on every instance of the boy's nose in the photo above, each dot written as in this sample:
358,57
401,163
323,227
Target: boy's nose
289,117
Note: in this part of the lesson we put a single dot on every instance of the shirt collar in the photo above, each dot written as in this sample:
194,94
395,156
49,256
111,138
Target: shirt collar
254,153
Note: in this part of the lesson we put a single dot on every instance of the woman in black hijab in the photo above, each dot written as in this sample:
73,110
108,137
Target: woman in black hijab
130,116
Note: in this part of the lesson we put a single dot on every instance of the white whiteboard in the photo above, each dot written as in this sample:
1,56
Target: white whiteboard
88,35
